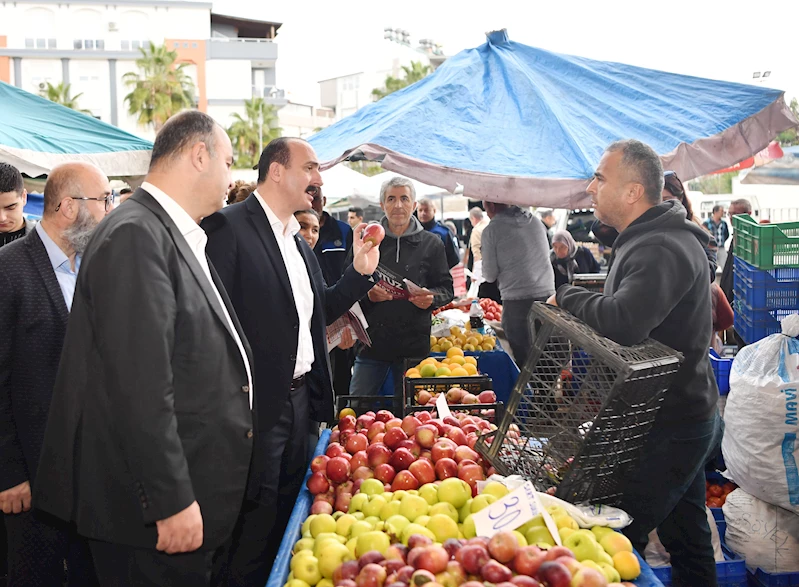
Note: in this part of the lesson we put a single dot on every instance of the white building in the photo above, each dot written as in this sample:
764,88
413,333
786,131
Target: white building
378,58
92,44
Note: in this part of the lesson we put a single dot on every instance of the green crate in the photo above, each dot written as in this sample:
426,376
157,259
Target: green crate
766,246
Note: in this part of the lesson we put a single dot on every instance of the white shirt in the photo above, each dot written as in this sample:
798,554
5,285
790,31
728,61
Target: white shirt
300,284
197,239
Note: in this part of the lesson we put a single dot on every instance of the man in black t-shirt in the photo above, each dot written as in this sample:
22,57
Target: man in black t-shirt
13,198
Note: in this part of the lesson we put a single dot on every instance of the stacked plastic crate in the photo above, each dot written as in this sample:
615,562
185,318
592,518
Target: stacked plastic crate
766,281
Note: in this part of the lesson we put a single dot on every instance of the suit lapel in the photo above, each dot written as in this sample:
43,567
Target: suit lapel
45,268
188,255
231,311
259,220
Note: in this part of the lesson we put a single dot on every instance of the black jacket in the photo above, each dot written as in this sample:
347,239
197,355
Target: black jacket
586,263
33,321
333,248
150,409
450,246
657,287
399,329
242,246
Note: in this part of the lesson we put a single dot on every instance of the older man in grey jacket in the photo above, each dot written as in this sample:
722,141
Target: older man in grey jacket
516,256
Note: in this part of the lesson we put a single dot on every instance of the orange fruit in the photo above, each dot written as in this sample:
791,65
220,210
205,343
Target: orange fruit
456,360
413,372
472,360
470,369
454,351
460,372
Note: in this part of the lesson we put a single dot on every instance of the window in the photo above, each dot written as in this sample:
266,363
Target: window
194,45
136,45
29,43
41,44
89,44
77,44
100,44
51,44
125,45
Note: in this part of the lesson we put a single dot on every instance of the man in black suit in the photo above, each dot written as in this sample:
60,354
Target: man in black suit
37,283
149,437
274,281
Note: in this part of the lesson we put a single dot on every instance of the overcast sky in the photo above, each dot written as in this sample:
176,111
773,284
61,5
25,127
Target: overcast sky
726,40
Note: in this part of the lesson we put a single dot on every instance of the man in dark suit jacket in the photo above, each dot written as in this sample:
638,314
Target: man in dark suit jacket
37,282
276,285
149,438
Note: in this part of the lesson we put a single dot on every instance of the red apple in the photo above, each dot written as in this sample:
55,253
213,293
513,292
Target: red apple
495,572
392,566
570,563
469,398
317,483
356,442
334,449
455,394
424,417
364,421
328,497
426,435
471,440
438,424
319,463
465,463
393,437
347,570
385,473
378,454
423,397
421,577
503,547
522,581
346,423
362,473
393,423
433,558
404,480
446,468
472,474
346,487
487,397
405,573
444,448
410,423
401,459
359,459
588,577
468,429
378,438
321,507
473,557
556,552
423,471
373,233
342,503
554,574
397,551
371,557
452,546
371,575
338,469
374,429
464,452
417,540
457,435
383,416
335,435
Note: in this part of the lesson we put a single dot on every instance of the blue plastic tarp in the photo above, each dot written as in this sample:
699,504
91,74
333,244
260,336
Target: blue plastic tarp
523,125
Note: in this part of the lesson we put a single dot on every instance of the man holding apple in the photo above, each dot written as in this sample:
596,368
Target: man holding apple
400,328
657,287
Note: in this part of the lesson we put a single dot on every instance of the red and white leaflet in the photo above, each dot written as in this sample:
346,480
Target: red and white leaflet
355,321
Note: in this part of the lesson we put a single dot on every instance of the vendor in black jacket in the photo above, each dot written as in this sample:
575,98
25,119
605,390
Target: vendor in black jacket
400,329
657,287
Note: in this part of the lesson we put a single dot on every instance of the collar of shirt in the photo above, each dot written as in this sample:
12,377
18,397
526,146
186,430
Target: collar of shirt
58,258
190,230
293,226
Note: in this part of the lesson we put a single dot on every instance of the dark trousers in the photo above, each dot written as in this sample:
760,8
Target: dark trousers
668,493
119,565
38,547
341,361
262,523
517,328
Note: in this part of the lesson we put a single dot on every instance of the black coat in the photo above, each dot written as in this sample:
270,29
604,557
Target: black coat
33,321
586,263
242,245
150,409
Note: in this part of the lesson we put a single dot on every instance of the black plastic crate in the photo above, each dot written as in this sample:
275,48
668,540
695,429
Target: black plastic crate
581,409
365,403
591,281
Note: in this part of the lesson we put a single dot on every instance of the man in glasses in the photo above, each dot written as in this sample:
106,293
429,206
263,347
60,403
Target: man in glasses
37,282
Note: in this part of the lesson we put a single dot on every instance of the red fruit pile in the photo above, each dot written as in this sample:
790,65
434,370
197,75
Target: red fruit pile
716,494
491,309
458,396
401,453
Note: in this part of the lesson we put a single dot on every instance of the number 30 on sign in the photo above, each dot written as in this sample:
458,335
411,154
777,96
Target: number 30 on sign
506,514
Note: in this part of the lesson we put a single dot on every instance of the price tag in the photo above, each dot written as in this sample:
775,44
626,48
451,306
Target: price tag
442,407
551,525
512,511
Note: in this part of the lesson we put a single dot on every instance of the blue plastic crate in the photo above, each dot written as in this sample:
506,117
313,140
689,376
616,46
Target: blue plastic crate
753,325
761,289
760,578
721,369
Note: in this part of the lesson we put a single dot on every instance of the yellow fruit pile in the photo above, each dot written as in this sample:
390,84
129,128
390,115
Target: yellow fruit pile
454,365
466,340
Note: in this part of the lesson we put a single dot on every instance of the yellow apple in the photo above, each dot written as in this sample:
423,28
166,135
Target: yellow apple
627,564
615,543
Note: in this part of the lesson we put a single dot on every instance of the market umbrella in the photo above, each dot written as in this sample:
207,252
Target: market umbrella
522,125
37,134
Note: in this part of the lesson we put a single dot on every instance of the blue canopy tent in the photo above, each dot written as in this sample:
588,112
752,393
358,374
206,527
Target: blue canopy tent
37,134
521,125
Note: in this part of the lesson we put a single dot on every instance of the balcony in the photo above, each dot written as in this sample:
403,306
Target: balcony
242,48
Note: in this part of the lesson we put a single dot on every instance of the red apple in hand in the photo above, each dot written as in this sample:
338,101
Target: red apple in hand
373,233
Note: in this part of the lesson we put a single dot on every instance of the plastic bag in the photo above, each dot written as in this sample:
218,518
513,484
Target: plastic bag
585,516
767,536
761,420
656,554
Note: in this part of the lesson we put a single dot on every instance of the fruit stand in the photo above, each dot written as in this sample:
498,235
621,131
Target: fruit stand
280,574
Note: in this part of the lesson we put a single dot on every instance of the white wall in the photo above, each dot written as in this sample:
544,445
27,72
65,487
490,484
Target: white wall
91,77
228,79
36,71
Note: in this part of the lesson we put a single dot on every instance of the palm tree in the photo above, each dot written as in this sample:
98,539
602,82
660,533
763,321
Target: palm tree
161,89
413,73
251,132
60,94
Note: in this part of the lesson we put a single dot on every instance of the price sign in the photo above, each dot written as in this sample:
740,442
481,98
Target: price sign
442,407
512,511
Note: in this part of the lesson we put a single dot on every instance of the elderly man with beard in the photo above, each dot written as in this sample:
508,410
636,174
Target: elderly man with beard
37,282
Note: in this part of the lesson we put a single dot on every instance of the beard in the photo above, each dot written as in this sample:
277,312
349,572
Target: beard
79,234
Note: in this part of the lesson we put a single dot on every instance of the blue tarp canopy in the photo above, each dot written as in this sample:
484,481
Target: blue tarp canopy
521,125
37,134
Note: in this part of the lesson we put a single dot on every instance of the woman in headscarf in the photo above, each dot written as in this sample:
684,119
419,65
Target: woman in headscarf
568,259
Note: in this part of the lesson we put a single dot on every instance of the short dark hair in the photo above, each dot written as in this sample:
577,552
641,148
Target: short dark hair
643,164
357,211
742,204
277,151
718,207
10,179
182,130
124,191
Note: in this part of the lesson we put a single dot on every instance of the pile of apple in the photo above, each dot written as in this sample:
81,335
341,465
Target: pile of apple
456,396
716,494
401,454
491,309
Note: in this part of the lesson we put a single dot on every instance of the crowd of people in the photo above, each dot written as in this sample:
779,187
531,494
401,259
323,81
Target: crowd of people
164,364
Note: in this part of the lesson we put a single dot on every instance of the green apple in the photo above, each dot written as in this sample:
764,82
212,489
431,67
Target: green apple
466,510
295,560
303,544
496,489
322,523
344,524
481,502
584,548
413,506
468,528
454,491
611,574
351,544
372,521
388,495
331,558
593,565
429,491
392,508
444,508
325,583
380,525
422,520
601,531
520,538
443,526
535,522
360,527
308,570
306,525
556,510
320,545
296,583
376,503
358,515
371,487
337,515
358,501
604,557
565,522
615,543
412,529
396,524
412,491
398,495
539,534
378,541
565,533
587,533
